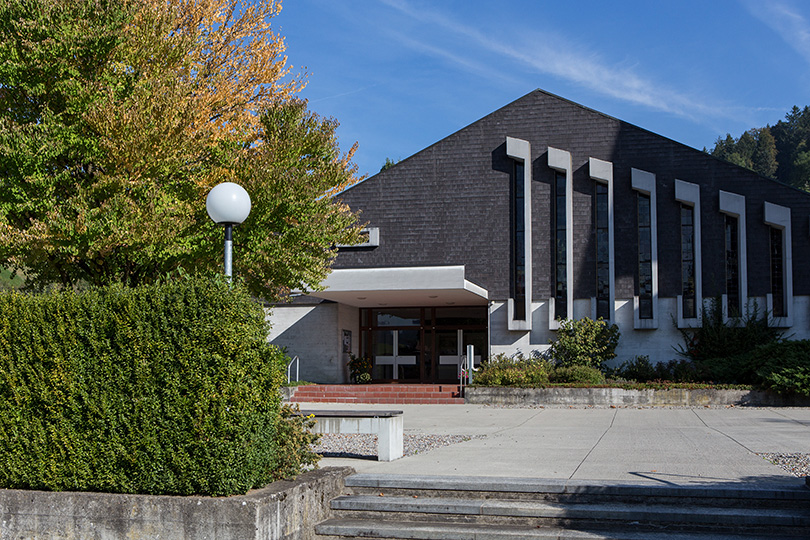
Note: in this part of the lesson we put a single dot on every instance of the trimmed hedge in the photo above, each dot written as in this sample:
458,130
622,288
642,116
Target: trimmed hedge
169,388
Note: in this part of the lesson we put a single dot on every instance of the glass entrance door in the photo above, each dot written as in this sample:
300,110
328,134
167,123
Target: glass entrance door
421,344
452,347
396,354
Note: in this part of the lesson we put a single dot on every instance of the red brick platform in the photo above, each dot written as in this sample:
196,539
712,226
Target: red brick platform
379,393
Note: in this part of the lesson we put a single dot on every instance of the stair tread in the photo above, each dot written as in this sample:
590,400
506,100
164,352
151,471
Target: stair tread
432,483
601,511
392,394
460,531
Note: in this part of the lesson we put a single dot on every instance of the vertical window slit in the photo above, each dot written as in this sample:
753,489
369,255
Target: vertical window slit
645,282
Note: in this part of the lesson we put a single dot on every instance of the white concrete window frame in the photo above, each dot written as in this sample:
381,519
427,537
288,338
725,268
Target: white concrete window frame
733,205
688,194
520,150
560,160
644,182
372,235
779,217
602,172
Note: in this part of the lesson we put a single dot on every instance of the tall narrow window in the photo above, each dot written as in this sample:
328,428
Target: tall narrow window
735,298
560,249
518,242
732,266
602,251
518,305
779,302
688,291
777,273
645,270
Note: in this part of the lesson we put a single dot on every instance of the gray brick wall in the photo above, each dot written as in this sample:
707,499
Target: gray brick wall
449,204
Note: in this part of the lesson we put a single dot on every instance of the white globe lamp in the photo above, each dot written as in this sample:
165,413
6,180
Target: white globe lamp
228,204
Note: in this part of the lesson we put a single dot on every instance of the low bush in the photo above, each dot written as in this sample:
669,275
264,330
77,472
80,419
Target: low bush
295,440
169,388
577,374
640,369
717,347
783,367
584,342
517,370
789,380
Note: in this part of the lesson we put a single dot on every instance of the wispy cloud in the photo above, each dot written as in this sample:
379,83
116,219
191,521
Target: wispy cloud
786,20
467,63
342,94
570,62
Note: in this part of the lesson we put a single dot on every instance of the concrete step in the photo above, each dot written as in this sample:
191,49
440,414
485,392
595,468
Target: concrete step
762,495
525,513
336,529
450,507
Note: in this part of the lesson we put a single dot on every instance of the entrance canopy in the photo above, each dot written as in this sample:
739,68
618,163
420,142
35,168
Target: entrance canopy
423,286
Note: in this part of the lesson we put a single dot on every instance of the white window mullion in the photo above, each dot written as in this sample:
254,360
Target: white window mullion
560,160
644,182
779,217
602,171
689,195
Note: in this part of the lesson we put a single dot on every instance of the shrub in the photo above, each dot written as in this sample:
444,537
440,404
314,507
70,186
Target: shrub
790,380
640,369
517,370
715,339
783,367
360,369
585,342
577,374
169,388
295,440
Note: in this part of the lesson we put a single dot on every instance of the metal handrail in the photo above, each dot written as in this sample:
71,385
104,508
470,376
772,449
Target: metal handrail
466,368
289,367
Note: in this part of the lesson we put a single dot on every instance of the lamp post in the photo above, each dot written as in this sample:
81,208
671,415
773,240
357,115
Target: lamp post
228,204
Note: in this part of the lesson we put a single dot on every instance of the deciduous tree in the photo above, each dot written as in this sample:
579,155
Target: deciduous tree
117,117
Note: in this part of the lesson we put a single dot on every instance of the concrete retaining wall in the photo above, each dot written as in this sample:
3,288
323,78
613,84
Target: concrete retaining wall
284,510
621,398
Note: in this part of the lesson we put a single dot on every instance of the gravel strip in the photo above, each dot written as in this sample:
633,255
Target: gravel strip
796,464
365,446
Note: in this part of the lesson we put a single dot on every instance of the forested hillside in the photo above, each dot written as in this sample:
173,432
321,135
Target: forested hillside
781,151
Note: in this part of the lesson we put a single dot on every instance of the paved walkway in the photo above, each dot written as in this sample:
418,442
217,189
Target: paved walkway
659,445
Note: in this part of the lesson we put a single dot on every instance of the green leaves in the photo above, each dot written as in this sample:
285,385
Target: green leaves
585,342
117,118
168,388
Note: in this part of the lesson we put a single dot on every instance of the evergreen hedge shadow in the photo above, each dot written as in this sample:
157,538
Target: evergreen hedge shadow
169,388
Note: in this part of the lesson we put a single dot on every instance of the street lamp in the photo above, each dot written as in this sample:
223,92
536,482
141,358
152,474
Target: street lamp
229,205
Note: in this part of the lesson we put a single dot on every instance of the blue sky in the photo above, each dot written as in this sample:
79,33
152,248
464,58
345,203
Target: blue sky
400,75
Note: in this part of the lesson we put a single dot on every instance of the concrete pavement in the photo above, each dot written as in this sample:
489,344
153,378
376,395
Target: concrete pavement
668,446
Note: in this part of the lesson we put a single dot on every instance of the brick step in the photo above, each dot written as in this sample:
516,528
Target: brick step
379,393
382,401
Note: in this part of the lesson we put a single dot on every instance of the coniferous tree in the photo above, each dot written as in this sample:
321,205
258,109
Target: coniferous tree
781,151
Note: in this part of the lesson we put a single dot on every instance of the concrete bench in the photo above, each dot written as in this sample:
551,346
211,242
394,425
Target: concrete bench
386,425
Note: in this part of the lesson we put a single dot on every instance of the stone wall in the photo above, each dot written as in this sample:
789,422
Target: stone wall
619,397
284,510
